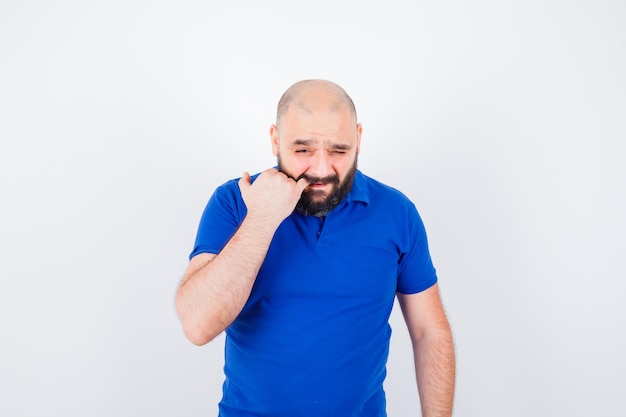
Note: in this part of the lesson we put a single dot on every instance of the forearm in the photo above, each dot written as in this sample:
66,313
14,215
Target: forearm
210,297
435,369
215,289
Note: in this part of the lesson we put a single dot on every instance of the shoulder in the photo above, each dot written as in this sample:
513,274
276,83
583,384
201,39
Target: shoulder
391,207
381,193
230,188
228,191
227,197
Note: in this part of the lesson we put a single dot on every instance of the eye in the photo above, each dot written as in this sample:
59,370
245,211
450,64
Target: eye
302,151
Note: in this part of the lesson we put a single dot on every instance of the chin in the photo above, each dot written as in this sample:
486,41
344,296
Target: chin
318,195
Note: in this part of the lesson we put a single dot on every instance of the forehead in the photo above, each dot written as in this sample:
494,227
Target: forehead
328,123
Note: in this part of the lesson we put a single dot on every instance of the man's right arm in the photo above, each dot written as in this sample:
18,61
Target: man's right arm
215,288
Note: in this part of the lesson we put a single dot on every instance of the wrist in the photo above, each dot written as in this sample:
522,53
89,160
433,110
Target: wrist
261,225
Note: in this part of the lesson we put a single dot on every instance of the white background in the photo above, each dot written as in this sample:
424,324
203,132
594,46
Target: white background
505,122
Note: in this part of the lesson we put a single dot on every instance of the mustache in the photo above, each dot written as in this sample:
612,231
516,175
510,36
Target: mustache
331,179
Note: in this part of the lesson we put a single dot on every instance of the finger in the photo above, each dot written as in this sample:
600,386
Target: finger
302,183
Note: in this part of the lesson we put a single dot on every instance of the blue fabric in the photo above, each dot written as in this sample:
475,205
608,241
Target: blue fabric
313,338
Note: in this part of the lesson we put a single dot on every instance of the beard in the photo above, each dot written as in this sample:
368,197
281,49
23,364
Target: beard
317,202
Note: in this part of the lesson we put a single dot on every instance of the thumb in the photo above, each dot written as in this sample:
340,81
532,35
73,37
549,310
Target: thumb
244,181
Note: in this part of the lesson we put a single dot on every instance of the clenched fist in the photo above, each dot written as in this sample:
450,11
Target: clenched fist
273,195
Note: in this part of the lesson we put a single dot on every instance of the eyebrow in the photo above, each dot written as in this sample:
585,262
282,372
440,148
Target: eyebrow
310,142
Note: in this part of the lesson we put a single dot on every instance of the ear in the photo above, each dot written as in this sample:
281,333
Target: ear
274,138
359,131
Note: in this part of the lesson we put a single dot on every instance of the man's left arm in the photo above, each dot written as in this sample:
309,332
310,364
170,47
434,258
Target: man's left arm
433,350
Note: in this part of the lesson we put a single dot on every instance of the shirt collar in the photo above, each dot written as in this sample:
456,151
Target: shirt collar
359,191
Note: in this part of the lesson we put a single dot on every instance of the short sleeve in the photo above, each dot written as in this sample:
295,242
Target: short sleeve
416,272
221,218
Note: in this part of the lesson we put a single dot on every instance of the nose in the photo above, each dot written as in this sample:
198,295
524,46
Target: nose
320,165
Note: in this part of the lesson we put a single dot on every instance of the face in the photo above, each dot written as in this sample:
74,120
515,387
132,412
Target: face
319,203
321,146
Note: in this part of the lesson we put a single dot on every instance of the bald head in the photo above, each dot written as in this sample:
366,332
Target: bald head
313,96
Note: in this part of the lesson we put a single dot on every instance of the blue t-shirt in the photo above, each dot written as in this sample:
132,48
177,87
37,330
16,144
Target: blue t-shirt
313,338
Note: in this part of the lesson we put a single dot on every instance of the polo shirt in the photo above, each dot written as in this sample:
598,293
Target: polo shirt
313,337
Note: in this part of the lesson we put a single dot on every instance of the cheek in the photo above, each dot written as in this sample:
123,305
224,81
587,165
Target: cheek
298,165
293,166
343,166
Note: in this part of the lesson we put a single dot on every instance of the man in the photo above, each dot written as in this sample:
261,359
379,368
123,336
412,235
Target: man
300,266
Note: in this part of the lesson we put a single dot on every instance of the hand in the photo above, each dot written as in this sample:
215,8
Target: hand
273,195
